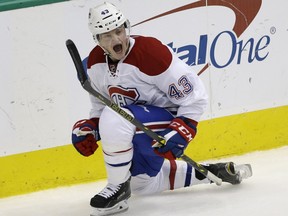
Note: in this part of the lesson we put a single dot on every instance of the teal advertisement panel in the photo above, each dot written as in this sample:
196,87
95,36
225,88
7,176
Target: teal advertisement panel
6,5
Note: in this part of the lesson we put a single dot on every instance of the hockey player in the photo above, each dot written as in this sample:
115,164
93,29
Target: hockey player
151,83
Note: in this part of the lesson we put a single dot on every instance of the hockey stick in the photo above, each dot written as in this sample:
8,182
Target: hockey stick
82,76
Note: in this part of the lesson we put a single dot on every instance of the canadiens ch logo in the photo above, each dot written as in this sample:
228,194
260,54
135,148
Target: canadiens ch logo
123,96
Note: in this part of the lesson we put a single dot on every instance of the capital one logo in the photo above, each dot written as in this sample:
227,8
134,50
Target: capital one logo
245,11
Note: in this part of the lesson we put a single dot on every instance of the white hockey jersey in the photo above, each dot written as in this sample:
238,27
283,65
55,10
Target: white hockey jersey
150,74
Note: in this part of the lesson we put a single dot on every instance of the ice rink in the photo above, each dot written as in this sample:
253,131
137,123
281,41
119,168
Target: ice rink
264,194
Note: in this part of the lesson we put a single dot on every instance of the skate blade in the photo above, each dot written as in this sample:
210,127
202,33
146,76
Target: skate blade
244,170
116,209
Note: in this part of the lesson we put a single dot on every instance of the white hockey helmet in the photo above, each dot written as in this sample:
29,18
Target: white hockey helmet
104,18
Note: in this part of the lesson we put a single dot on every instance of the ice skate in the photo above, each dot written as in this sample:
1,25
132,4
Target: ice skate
111,200
244,170
231,173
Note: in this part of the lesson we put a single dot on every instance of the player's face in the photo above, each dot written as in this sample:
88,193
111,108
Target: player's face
115,42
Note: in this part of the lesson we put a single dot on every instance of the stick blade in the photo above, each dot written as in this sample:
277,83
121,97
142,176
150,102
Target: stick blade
69,42
82,76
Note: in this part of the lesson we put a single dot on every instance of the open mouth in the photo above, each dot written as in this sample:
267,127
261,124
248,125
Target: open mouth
118,48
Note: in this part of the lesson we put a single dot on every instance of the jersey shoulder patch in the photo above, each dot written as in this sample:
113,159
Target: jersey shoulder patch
149,55
97,55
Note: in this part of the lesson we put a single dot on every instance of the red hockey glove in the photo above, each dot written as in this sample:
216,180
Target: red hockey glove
178,134
85,135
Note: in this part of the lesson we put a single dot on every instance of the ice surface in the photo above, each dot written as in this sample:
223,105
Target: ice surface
264,194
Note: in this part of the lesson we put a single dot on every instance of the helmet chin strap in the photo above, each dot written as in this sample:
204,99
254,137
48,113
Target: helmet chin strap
106,52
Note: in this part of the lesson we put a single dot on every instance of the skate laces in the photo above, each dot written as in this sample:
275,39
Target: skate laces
109,190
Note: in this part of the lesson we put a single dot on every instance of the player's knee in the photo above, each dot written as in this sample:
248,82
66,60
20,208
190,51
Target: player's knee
115,131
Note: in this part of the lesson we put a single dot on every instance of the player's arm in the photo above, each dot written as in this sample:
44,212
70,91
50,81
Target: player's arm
184,88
